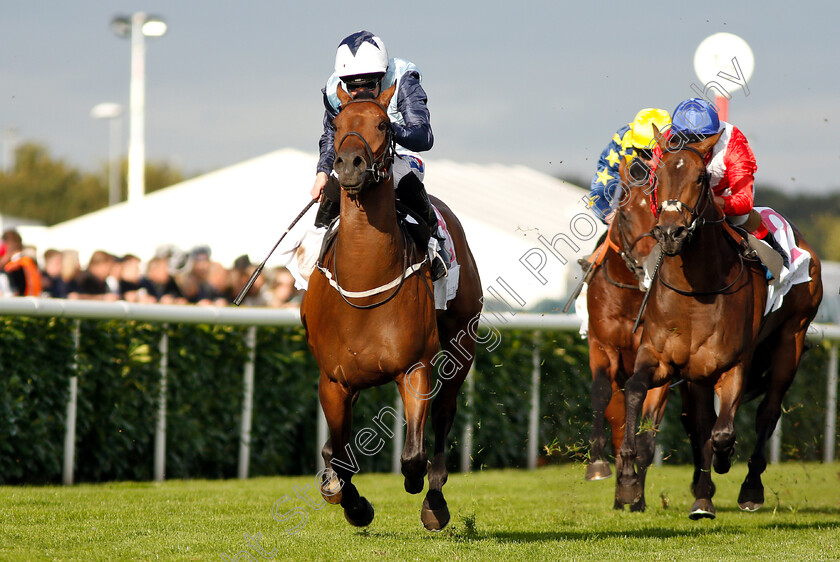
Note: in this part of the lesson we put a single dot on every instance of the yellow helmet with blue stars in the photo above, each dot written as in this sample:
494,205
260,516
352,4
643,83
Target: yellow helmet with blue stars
641,129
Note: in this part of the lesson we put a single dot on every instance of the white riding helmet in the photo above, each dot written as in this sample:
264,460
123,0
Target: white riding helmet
362,55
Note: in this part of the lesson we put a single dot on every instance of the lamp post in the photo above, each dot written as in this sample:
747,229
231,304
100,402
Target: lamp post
112,112
722,60
137,28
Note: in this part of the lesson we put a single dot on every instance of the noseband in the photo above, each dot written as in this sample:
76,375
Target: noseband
379,168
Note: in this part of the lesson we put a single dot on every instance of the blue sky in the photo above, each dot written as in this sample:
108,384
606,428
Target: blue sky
542,84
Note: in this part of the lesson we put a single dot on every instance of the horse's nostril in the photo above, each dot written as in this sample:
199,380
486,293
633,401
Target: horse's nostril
358,162
679,232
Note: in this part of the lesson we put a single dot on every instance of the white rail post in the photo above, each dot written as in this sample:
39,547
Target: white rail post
70,418
534,420
467,435
658,453
321,436
831,406
160,426
776,442
247,403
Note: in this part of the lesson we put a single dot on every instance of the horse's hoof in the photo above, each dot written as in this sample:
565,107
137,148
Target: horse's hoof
639,506
414,485
331,490
629,494
361,514
751,499
702,509
434,519
598,470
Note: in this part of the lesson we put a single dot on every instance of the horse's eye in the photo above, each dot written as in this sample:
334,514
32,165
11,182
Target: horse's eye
383,126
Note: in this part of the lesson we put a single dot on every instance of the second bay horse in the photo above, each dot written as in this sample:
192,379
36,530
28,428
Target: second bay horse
370,318
705,322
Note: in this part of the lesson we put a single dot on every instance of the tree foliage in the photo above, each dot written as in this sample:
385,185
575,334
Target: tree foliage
44,188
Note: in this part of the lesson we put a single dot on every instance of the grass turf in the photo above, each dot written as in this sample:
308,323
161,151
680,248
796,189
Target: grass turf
551,513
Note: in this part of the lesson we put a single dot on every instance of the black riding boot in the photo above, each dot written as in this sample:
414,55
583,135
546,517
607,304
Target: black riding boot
773,243
412,193
330,205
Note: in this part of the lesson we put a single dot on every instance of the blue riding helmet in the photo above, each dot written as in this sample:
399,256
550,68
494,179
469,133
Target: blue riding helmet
695,116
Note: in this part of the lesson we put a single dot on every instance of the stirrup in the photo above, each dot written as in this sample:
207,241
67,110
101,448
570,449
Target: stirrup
439,269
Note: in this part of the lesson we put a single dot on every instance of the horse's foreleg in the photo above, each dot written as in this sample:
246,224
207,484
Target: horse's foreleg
628,485
730,389
415,390
653,409
336,402
784,362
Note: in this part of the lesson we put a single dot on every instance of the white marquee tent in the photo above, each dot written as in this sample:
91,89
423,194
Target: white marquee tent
511,215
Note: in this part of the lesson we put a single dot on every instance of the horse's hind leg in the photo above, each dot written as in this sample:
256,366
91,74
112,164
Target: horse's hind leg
784,362
605,402
698,417
336,401
458,354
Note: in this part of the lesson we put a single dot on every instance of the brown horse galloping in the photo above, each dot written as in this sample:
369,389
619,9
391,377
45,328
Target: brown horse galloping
614,298
362,336
705,322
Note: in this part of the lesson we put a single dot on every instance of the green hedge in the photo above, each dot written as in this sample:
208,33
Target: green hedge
118,389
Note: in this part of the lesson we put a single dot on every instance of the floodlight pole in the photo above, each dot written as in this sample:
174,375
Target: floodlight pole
137,120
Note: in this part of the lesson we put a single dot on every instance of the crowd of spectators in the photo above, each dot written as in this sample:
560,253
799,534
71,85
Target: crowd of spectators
170,277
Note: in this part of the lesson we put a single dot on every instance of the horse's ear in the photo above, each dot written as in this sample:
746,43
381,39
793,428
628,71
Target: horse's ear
659,137
385,97
706,144
342,94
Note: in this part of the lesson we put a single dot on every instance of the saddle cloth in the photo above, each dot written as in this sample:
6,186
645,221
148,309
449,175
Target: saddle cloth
798,259
300,256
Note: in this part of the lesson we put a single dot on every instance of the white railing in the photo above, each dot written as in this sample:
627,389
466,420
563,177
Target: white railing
254,317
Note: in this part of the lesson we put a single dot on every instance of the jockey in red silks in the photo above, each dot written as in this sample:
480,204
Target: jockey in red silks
730,164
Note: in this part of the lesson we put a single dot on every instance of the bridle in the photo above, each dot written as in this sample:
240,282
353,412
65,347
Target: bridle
627,246
696,216
380,168
626,251
697,220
